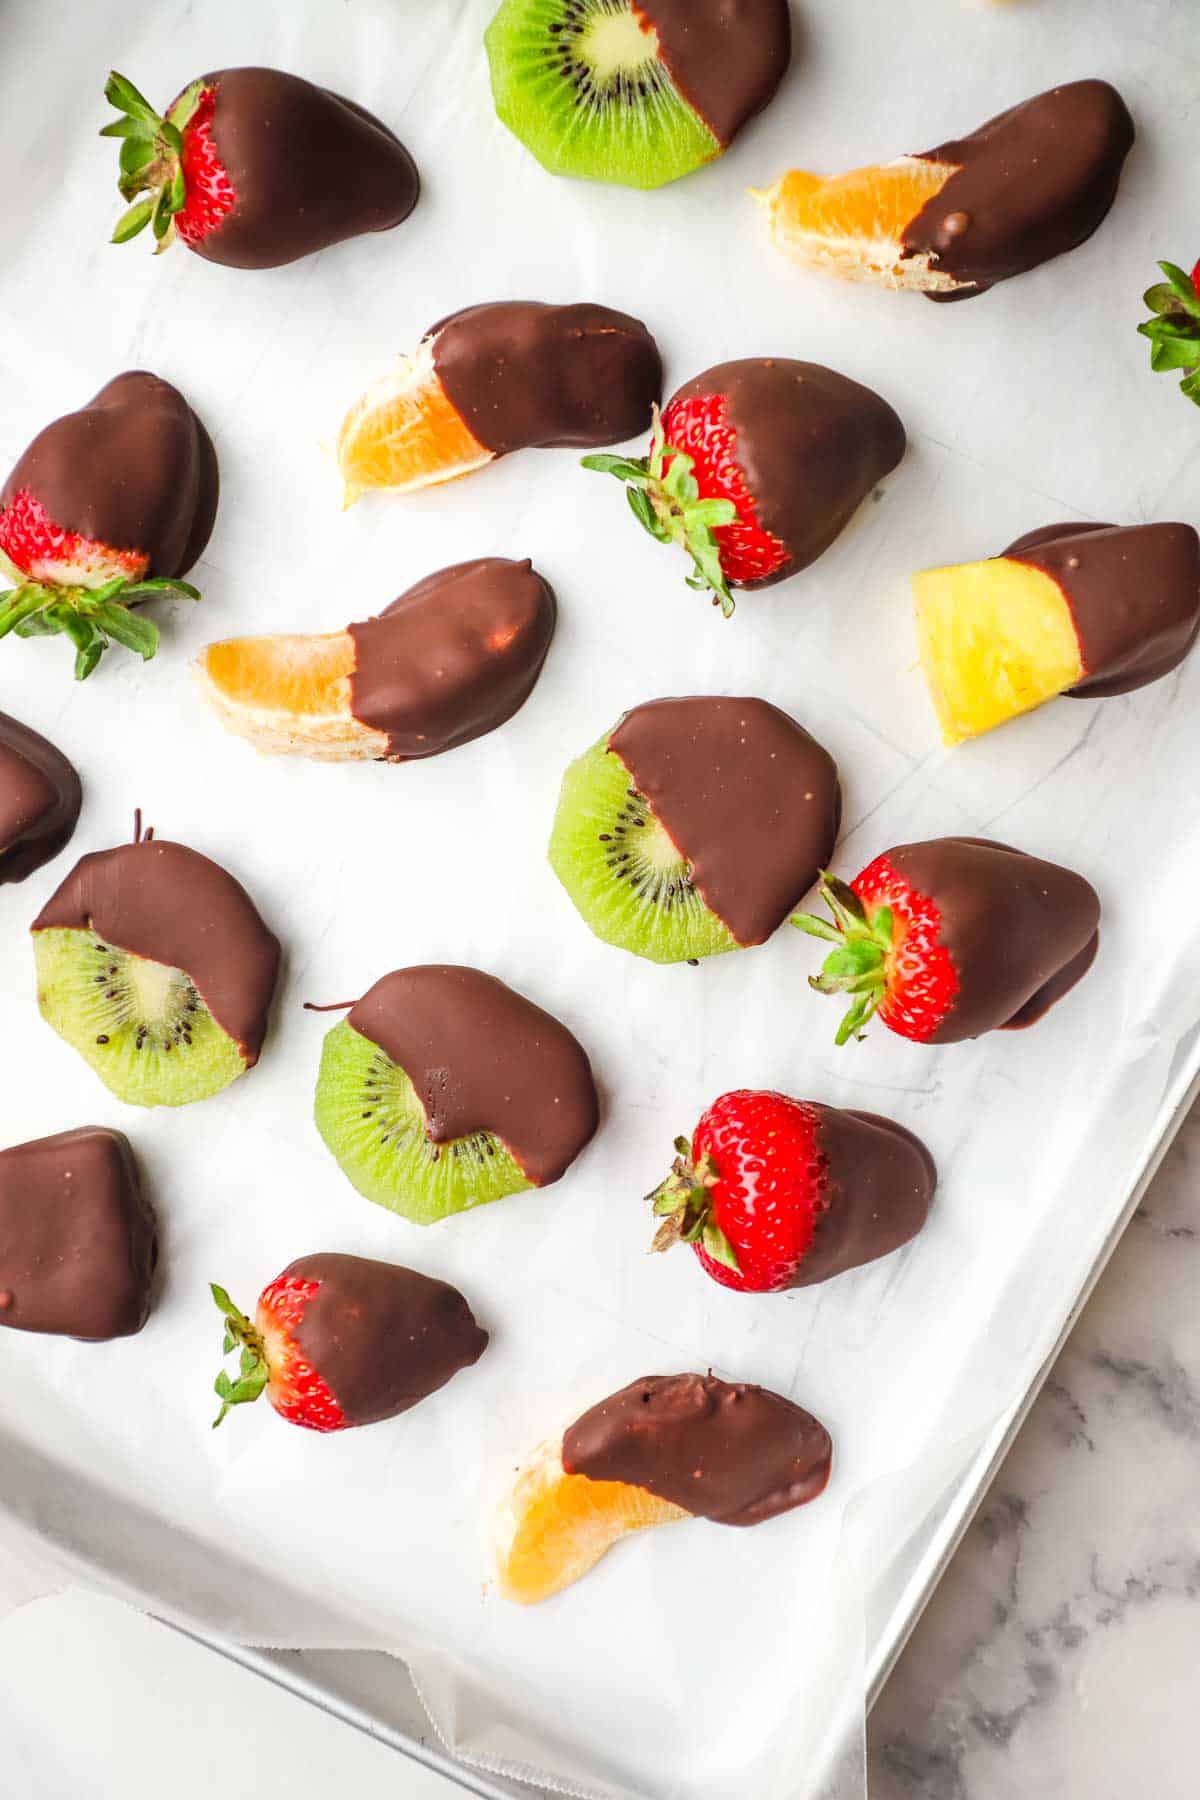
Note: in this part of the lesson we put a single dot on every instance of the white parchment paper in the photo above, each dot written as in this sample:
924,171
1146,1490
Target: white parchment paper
696,1663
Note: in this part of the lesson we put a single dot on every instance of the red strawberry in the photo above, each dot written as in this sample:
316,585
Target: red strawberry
755,467
254,168
776,1193
954,937
339,1341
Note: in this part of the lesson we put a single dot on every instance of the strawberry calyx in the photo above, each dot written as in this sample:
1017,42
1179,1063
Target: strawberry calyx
684,1203
1174,331
858,966
664,497
253,1369
151,158
91,617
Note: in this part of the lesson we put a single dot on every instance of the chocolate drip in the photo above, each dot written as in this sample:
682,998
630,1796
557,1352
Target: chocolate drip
725,1450
309,169
523,375
454,657
726,57
1020,931
879,1181
380,1336
40,797
811,444
1030,184
483,1058
78,1244
134,469
173,906
1134,595
745,794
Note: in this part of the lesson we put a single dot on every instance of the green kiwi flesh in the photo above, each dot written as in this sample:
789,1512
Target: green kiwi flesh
371,1118
622,870
581,84
142,1026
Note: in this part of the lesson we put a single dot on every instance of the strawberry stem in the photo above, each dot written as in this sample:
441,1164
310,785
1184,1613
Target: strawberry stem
253,1370
684,1204
151,158
92,618
859,965
664,497
1174,331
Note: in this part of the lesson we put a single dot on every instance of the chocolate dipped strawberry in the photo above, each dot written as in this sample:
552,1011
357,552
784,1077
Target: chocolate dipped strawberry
950,938
254,168
40,797
108,507
756,466
778,1193
341,1340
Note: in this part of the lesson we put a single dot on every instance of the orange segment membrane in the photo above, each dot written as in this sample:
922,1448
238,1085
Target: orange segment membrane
298,675
555,1527
404,434
853,225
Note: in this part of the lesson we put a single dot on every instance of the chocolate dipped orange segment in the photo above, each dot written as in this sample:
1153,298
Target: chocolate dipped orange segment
1032,183
511,375
453,658
1080,609
667,1447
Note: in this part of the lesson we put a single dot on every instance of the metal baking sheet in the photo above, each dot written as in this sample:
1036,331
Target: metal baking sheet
1032,404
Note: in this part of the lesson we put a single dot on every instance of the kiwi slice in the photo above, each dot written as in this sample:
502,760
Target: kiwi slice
141,1025
622,869
580,82
371,1118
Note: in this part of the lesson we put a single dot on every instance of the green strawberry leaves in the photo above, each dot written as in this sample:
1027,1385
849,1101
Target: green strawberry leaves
1174,331
684,1204
151,158
253,1370
664,497
859,964
90,618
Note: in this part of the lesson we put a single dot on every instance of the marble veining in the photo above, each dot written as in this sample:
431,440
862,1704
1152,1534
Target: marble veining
1058,1659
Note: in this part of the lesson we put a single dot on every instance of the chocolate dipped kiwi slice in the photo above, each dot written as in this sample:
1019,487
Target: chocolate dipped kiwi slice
695,825
443,1089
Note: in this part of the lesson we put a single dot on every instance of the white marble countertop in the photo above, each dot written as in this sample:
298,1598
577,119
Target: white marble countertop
1057,1660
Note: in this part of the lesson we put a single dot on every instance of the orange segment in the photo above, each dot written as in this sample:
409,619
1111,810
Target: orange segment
403,433
289,694
554,1527
853,225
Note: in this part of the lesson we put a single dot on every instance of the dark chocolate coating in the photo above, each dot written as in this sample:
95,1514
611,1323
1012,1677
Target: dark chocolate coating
521,374
726,57
1019,931
40,797
172,905
727,1451
1030,184
454,657
744,793
309,169
134,469
1134,595
380,1336
483,1058
77,1239
878,1180
811,444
